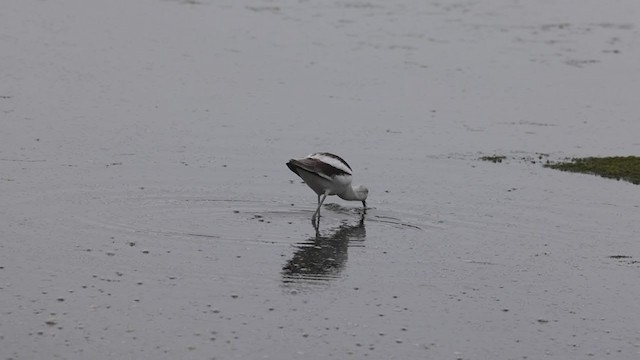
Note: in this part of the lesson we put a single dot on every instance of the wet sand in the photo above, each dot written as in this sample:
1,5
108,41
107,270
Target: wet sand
147,211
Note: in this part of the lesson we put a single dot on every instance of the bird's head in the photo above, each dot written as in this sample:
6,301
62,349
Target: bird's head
361,193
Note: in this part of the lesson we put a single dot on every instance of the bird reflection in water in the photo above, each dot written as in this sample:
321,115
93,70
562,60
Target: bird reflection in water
321,258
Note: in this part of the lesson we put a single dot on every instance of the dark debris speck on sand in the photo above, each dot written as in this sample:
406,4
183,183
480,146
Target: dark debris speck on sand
493,158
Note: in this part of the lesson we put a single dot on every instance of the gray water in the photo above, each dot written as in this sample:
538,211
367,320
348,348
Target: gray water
147,211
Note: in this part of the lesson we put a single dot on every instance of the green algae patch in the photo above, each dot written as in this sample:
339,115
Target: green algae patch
616,167
494,158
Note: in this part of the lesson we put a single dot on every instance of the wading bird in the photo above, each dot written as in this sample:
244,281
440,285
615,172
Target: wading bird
328,174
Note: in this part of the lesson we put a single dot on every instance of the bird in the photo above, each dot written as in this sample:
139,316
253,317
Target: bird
328,174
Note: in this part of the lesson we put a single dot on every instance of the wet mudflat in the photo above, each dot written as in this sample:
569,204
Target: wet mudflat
147,211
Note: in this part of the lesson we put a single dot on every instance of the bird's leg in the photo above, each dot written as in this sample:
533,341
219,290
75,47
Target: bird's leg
313,218
320,201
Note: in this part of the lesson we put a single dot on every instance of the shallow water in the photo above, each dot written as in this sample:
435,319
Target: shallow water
147,211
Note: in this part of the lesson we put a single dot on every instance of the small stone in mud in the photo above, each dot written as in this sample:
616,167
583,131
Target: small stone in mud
51,321
145,251
234,296
60,299
236,211
132,243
